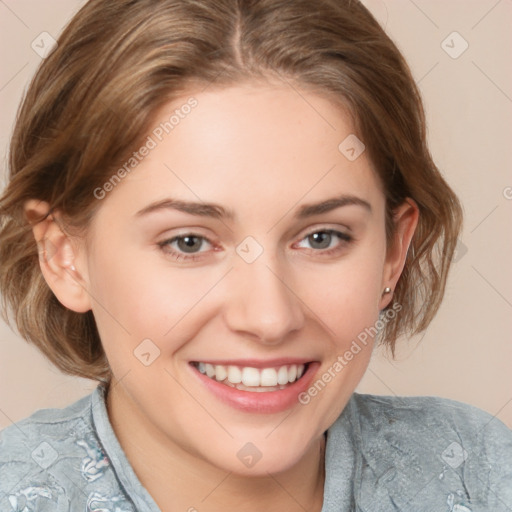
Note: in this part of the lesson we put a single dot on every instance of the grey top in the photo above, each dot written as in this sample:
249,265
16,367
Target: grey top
383,453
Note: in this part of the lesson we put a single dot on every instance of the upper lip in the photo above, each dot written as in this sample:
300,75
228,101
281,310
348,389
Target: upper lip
256,363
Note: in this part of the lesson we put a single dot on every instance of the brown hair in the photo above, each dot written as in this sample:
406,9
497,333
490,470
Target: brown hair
117,63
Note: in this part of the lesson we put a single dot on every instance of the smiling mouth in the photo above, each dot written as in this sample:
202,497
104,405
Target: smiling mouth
248,378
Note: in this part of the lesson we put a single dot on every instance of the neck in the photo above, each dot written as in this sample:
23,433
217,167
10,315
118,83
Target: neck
179,480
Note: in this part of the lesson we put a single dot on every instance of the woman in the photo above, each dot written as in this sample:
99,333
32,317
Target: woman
216,209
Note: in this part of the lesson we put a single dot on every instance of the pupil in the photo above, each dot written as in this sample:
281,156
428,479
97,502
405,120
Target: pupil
322,238
189,242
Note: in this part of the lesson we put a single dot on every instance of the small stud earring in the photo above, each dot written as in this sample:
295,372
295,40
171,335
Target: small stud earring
387,290
72,267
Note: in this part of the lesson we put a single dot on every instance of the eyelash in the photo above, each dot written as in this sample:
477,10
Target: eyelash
344,237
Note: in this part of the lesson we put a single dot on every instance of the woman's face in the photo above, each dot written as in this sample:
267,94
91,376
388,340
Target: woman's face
279,270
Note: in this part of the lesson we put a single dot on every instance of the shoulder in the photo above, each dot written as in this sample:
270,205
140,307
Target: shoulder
454,429
430,412
429,448
42,423
18,442
29,450
51,459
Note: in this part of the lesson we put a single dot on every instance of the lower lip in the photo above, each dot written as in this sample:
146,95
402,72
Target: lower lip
260,402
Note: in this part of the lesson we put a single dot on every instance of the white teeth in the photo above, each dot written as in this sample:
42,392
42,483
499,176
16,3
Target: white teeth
234,375
282,375
210,370
268,377
220,372
249,377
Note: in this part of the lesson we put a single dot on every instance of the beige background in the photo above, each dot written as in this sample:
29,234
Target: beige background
466,354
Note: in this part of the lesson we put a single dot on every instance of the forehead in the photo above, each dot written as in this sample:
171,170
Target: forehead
253,148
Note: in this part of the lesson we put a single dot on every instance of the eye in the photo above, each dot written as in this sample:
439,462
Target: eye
326,241
188,246
184,246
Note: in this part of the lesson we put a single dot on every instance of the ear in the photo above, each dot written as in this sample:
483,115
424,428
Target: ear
405,220
58,257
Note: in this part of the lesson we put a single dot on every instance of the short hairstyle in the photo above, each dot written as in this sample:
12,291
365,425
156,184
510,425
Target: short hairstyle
118,63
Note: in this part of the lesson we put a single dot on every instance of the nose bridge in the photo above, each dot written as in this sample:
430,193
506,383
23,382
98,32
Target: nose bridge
262,302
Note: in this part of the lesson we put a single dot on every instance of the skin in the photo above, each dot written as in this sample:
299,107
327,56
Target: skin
261,151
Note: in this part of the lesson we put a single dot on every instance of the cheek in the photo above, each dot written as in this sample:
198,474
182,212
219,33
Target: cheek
138,298
346,295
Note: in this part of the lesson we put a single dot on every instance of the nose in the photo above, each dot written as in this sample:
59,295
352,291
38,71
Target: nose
261,303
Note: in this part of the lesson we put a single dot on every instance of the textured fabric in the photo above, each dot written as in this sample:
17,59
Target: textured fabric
382,454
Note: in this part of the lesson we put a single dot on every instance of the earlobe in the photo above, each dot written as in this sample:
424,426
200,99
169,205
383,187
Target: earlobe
405,219
57,257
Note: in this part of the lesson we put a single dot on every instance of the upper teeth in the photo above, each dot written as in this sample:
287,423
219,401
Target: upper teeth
249,376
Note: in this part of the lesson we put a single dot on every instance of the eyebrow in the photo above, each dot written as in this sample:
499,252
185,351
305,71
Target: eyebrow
219,212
